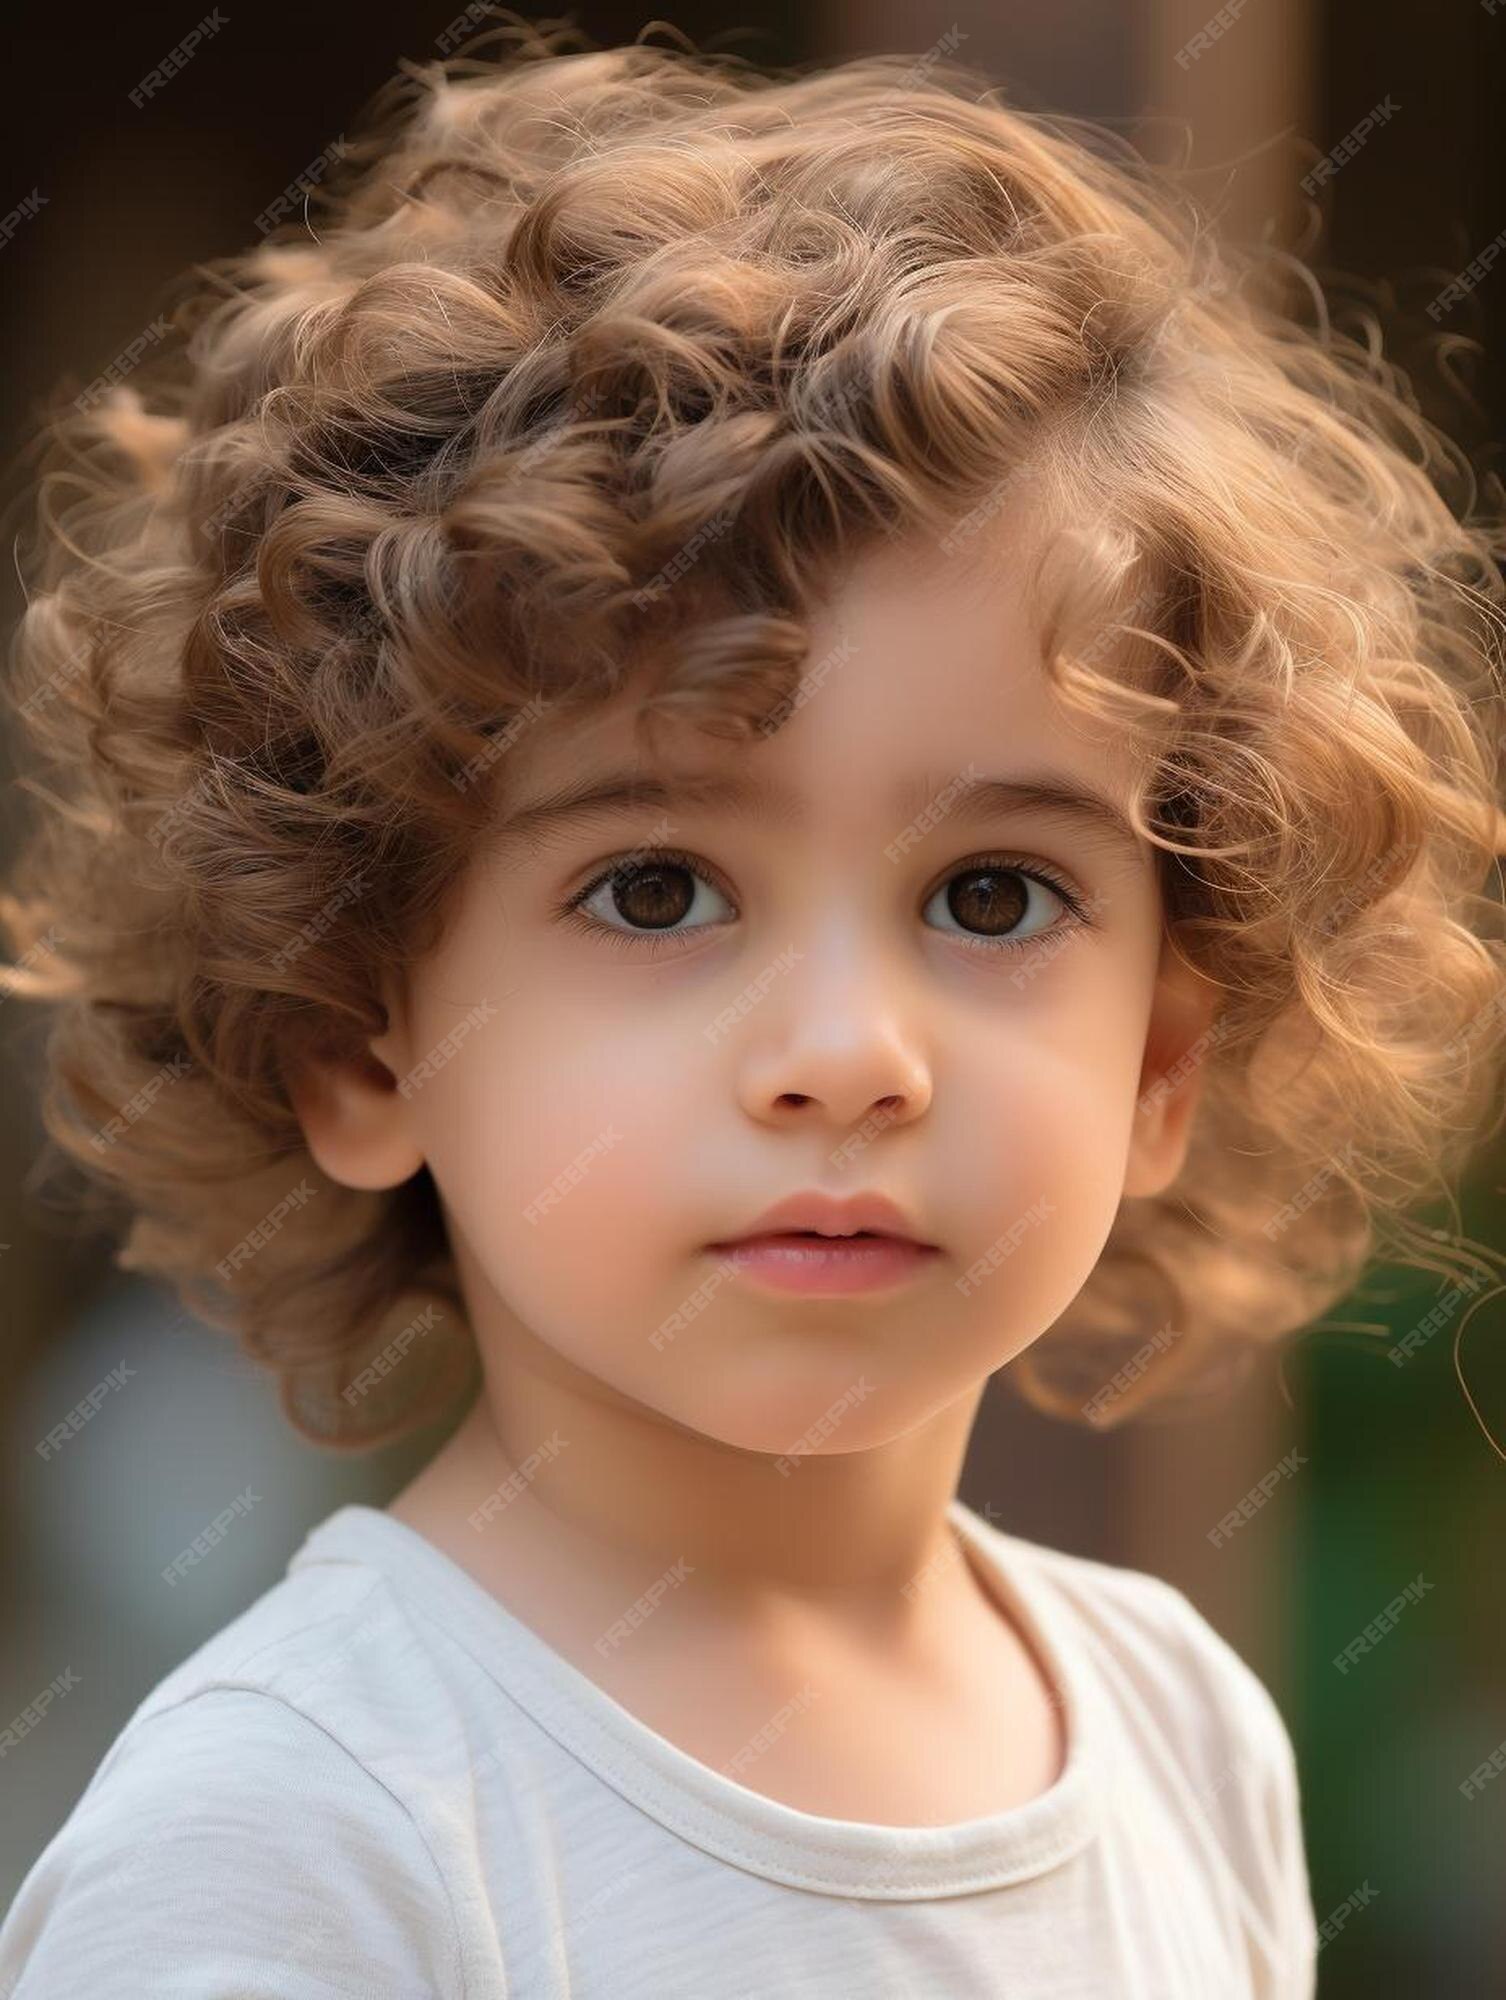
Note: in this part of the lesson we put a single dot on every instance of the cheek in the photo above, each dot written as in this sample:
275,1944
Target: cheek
1039,1152
568,1163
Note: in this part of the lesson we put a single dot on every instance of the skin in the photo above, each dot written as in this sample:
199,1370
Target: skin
830,1568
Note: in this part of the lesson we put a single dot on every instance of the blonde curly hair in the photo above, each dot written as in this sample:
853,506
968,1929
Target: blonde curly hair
412,477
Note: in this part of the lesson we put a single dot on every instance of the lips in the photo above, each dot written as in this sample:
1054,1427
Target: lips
827,1267
815,1214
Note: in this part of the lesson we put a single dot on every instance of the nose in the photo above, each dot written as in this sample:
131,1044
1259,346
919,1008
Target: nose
836,1057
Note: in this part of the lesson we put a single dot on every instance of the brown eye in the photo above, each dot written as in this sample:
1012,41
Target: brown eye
992,903
990,900
647,896
654,897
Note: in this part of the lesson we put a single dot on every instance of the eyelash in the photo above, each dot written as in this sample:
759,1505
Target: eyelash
656,942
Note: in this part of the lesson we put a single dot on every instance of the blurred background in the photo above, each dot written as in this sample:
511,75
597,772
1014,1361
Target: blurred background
1392,1479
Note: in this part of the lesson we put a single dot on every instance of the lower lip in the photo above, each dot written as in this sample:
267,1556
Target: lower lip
826,1265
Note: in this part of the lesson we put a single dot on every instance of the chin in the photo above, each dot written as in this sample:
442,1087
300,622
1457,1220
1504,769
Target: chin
790,1413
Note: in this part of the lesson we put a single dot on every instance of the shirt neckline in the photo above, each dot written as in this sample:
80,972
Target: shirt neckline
839,1857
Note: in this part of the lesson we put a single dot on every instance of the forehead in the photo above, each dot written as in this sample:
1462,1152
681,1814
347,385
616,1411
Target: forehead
921,671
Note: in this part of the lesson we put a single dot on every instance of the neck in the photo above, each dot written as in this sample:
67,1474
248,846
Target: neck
555,1461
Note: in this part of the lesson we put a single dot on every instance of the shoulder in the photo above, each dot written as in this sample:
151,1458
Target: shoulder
1139,1631
234,1839
334,1646
1163,1667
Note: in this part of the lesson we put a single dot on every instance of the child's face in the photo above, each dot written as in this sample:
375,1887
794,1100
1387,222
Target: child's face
622,1101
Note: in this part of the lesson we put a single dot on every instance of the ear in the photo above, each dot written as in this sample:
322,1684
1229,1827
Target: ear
355,1118
1179,1037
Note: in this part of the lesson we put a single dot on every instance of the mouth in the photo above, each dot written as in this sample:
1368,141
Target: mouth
805,1260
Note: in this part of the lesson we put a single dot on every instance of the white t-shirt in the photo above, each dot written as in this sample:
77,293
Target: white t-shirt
377,1781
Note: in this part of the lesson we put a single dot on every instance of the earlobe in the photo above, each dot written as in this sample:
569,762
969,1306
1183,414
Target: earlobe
354,1116
1179,1038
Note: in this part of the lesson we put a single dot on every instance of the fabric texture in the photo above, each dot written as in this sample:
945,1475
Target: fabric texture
379,1782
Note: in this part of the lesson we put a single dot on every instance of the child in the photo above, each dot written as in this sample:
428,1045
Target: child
840,500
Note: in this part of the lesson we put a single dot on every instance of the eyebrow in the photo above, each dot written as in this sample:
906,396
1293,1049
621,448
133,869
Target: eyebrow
614,794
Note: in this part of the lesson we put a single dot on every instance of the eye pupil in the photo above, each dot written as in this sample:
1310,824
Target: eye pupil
990,900
665,901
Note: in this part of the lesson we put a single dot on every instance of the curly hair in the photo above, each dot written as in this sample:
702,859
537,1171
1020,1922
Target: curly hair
405,483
